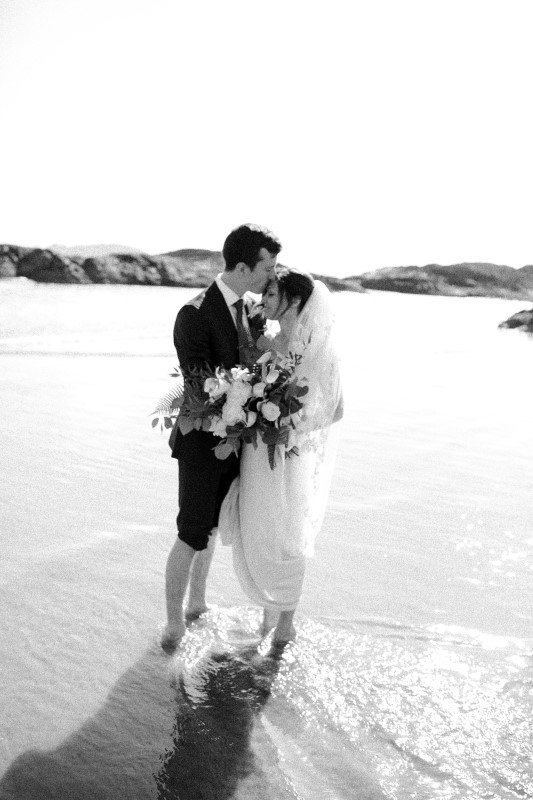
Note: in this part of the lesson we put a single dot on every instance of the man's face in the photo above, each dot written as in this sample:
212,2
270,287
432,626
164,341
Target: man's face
264,269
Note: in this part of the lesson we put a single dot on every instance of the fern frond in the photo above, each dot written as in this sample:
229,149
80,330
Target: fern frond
171,400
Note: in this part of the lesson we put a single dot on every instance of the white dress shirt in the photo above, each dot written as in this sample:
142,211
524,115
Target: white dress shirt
231,297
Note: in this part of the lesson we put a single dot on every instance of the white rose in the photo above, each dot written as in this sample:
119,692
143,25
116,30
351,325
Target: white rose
210,385
233,413
215,387
270,411
239,392
218,427
240,374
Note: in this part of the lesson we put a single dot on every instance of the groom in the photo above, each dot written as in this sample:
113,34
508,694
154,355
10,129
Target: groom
213,329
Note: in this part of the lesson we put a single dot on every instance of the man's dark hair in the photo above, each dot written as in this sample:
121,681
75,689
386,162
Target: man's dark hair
245,242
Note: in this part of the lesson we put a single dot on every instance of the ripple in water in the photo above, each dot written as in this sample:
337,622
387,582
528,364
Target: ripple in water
392,712
431,714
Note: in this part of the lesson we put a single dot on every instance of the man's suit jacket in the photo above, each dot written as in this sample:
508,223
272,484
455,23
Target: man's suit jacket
204,334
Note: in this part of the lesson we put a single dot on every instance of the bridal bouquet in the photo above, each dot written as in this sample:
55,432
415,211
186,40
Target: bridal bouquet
240,405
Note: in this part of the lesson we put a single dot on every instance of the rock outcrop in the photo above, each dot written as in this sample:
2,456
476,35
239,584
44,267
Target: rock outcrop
197,268
187,268
45,266
523,320
190,267
10,255
460,280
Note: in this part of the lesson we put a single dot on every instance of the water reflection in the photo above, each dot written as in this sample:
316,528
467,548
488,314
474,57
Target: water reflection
211,750
441,712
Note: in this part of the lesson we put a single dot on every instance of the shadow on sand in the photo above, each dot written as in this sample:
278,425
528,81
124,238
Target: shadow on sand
157,735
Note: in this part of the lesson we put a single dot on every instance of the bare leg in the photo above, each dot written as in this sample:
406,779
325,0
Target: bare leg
196,604
285,630
177,577
270,617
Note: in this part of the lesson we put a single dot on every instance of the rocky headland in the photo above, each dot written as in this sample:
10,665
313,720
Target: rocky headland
197,268
109,265
523,321
456,280
186,268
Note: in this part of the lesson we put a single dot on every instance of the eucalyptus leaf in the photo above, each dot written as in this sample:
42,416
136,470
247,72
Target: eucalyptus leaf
224,450
186,424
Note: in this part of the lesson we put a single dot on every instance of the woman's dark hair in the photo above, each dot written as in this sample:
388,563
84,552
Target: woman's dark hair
245,242
293,284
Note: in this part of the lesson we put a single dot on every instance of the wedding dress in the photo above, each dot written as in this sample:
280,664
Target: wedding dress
271,517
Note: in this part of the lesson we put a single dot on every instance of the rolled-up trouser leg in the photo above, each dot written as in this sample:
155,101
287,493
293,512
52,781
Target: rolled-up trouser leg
201,493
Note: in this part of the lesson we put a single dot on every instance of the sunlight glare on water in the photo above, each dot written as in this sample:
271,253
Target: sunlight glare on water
353,704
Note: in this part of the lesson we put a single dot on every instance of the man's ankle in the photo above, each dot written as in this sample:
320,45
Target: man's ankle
172,635
195,609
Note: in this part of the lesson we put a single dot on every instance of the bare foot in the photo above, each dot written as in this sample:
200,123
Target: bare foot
283,635
195,613
285,631
172,636
270,618
278,645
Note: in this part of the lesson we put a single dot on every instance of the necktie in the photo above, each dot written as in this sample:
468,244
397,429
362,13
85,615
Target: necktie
246,345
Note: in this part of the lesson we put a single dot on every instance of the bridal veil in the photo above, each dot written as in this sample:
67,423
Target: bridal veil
314,339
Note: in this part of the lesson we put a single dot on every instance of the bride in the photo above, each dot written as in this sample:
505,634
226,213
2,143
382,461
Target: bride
272,517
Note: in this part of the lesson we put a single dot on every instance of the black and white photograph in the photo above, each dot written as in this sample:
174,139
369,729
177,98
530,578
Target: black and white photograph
266,417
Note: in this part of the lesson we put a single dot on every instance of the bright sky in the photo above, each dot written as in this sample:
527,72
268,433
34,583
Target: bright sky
365,134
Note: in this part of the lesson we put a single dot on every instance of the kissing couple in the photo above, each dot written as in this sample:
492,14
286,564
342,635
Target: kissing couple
270,517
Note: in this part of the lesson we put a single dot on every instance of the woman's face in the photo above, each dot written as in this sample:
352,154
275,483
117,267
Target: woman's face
274,305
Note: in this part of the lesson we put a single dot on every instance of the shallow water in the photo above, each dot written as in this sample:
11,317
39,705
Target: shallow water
412,674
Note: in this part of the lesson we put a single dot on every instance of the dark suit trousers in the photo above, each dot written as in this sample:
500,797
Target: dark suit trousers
202,490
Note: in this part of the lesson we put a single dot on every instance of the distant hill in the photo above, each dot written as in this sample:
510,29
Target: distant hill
91,250
197,268
462,280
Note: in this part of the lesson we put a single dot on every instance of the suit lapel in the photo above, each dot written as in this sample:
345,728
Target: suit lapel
221,315
225,331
